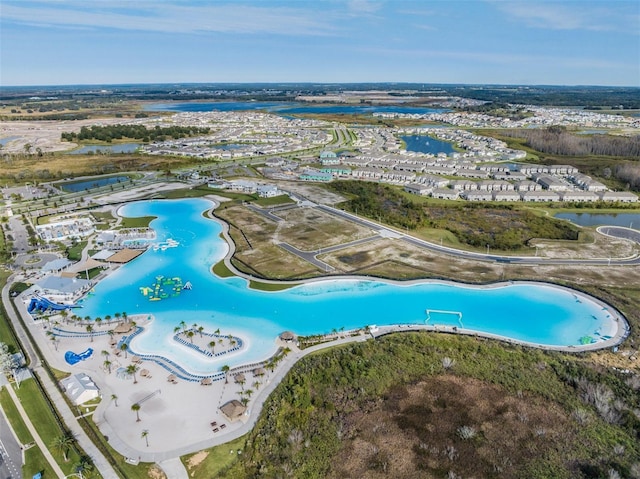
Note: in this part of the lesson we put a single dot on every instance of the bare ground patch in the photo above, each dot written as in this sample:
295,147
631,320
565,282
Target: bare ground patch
452,425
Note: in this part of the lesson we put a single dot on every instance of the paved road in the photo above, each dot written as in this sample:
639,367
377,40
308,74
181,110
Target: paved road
528,260
620,232
310,257
10,452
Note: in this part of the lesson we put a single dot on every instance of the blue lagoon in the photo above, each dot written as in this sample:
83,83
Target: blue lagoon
534,313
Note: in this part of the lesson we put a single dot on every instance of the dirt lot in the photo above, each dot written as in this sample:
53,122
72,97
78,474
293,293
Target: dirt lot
44,134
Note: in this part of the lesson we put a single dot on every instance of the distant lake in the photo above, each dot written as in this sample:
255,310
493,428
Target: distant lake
289,108
597,219
4,141
119,148
426,144
74,187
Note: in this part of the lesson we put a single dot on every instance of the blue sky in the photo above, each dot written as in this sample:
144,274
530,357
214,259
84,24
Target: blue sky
566,42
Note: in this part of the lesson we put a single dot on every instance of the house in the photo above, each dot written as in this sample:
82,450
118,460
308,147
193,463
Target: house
311,175
506,195
619,196
418,189
268,191
444,194
326,154
477,195
539,196
80,388
337,171
578,196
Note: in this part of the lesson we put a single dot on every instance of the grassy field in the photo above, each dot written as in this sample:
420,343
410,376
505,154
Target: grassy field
74,253
212,462
141,222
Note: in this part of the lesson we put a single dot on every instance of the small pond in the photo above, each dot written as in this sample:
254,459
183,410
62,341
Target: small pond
119,148
629,220
76,186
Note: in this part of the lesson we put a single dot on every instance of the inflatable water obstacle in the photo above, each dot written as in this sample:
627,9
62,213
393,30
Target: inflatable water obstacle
164,288
40,305
74,358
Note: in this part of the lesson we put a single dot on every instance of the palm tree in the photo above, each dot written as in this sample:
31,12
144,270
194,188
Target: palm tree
117,315
145,436
90,331
85,464
114,398
64,313
256,384
124,316
136,407
184,325
133,369
225,370
212,345
124,347
107,364
248,392
53,339
176,330
200,329
63,443
98,321
190,334
244,401
217,332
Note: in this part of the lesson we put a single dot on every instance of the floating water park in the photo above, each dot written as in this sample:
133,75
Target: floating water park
164,287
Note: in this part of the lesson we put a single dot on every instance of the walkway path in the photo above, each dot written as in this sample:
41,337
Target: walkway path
36,437
54,393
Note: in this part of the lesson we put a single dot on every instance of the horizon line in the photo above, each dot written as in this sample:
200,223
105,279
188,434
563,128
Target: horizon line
319,83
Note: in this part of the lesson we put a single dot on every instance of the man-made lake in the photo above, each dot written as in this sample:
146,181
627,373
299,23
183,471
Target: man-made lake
118,148
629,220
74,187
289,108
426,144
530,312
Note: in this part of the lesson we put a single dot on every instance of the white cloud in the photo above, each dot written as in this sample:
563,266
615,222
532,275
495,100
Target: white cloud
169,17
574,15
364,6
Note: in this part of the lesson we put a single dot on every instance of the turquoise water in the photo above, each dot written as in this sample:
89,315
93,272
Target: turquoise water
528,312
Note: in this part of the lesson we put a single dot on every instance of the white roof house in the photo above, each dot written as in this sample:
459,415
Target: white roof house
80,388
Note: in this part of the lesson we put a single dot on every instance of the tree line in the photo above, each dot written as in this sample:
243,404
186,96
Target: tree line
499,226
135,132
556,140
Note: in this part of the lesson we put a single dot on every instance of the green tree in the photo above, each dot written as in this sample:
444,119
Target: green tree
145,436
136,407
133,369
63,443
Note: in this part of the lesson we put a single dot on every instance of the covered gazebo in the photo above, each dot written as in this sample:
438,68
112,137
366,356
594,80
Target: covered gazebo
287,336
233,409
